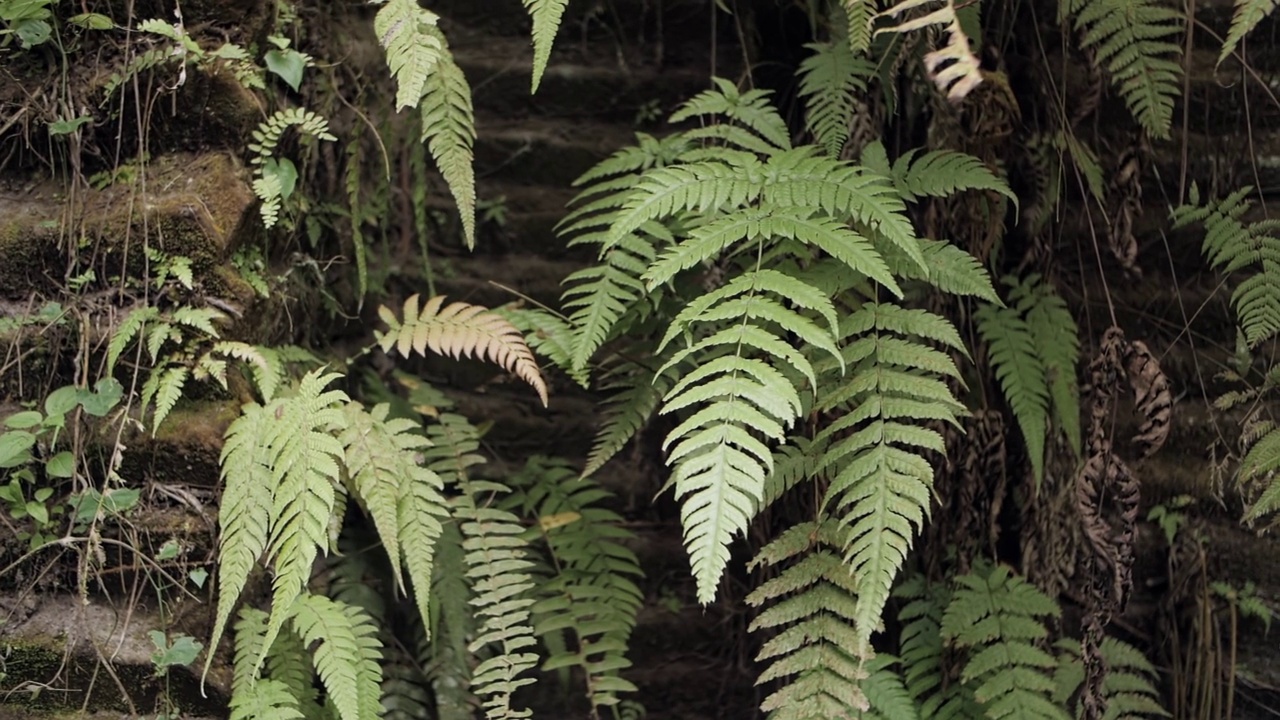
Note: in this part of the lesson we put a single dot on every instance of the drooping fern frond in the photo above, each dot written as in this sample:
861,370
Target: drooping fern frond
815,649
452,625
346,650
412,53
860,15
830,81
449,130
939,173
404,499
287,690
1020,370
460,330
591,598
997,616
881,485
280,469
1131,39
1057,342
1129,689
546,15
498,570
1246,16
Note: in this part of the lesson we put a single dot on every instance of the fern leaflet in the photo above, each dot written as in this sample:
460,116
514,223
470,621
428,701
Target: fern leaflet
460,330
345,644
1131,39
830,81
1245,17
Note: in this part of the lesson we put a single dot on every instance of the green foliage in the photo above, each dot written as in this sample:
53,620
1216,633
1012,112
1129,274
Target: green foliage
830,80
995,613
498,570
412,51
1131,39
589,597
275,178
812,610
1034,348
546,16
1245,17
1129,689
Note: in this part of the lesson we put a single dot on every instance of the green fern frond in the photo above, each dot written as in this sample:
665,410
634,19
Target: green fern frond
886,693
831,79
498,570
1020,369
1231,245
1057,342
1246,16
412,53
923,654
266,364
591,595
546,15
267,184
130,328
996,614
637,394
861,15
265,699
940,173
1131,39
404,499
346,649
751,109
451,625
549,335
953,68
1129,688
881,485
598,297
165,387
460,330
449,130
812,609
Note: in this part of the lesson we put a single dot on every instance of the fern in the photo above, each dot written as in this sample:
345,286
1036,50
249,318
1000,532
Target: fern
404,499
637,395
940,173
1034,348
860,15
1129,688
449,130
460,330
412,52
165,388
591,595
830,81
452,623
1246,16
497,570
995,612
881,485
267,182
813,607
923,654
546,15
346,654
751,110
1131,39
280,466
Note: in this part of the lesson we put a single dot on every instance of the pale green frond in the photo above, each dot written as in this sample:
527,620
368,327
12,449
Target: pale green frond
831,79
166,392
244,516
265,699
1020,370
201,319
449,130
751,109
701,187
1244,18
460,330
861,15
814,651
546,15
346,650
412,53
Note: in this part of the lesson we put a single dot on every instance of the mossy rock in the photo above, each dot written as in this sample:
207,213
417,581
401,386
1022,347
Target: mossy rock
195,205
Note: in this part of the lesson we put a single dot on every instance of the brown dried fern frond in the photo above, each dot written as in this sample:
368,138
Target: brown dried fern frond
460,330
